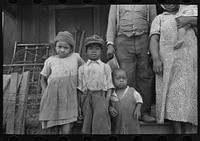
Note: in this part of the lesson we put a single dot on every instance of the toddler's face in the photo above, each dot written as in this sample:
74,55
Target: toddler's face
120,79
63,49
94,51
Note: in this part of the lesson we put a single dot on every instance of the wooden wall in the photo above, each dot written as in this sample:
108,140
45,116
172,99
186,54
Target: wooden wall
9,36
33,24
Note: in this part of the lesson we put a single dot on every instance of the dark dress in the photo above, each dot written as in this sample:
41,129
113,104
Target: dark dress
124,122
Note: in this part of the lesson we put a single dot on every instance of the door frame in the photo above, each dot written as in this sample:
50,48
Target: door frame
52,18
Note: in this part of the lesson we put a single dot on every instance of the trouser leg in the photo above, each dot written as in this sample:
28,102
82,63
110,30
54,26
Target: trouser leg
144,73
127,60
101,120
87,116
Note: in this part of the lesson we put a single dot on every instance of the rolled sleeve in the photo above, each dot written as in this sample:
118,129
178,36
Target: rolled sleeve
46,69
155,26
112,24
138,97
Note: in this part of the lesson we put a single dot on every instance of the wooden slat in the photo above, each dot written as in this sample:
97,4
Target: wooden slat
21,110
11,104
6,81
6,97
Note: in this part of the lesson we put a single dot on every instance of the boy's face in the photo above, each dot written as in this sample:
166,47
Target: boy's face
94,51
120,79
63,49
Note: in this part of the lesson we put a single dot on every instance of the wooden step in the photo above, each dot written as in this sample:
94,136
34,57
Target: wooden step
155,128
146,128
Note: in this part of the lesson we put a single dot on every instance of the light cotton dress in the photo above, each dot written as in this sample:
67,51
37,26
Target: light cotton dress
176,89
59,101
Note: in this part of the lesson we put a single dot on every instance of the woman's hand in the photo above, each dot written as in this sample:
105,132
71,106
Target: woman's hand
110,51
158,66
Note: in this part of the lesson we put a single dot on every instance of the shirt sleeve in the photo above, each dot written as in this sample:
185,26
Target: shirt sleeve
112,24
80,78
152,13
109,77
156,25
46,71
138,97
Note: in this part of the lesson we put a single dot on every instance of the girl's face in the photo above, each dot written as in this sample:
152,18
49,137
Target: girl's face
171,7
120,79
63,49
94,51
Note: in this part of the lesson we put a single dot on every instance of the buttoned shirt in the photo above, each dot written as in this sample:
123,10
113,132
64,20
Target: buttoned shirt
130,20
94,76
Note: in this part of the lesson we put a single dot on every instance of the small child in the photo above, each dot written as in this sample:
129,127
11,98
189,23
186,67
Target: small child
59,104
184,10
125,105
95,87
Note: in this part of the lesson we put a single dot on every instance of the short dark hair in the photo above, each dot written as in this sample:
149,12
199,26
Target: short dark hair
117,70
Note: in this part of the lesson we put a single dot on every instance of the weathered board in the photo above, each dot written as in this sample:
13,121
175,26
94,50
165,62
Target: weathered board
10,119
21,108
14,103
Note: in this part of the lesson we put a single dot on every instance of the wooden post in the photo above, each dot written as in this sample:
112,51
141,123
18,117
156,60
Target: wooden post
10,119
21,110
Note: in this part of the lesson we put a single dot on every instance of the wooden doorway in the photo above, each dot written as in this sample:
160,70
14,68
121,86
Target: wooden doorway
72,19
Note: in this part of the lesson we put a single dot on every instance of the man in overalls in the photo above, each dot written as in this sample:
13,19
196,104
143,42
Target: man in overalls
128,38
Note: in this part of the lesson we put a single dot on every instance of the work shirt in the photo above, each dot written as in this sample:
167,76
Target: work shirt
129,20
94,76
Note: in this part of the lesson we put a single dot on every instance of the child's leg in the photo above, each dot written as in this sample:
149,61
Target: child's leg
65,129
181,34
177,127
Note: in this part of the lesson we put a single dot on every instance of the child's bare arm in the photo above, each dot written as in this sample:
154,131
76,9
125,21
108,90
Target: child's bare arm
79,93
137,112
43,81
108,94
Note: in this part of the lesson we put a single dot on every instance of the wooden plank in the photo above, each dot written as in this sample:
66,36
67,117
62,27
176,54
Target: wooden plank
6,81
21,109
11,104
6,96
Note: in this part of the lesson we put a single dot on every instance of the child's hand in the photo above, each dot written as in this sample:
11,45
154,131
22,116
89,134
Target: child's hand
113,111
137,113
80,117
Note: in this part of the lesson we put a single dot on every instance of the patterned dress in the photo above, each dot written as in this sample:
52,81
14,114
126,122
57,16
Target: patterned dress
59,101
176,89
